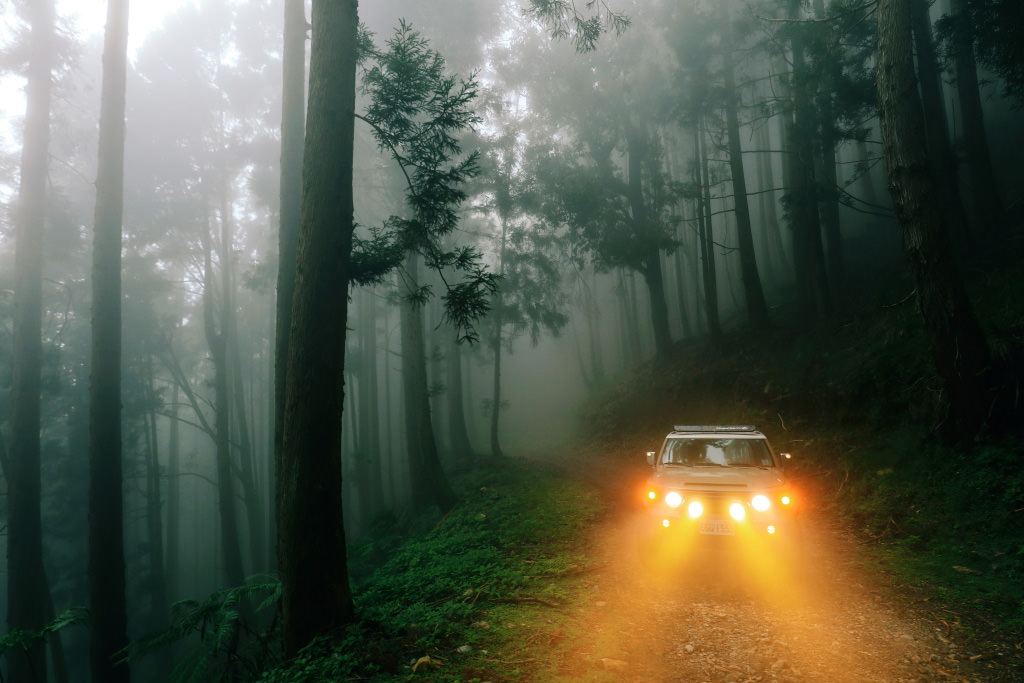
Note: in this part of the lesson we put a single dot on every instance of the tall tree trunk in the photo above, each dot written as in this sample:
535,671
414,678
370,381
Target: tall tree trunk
371,489
106,514
430,485
247,461
958,345
988,207
757,309
654,278
154,507
462,449
216,340
171,557
497,341
829,197
775,253
939,148
632,346
312,562
808,249
236,389
25,587
707,241
651,269
293,112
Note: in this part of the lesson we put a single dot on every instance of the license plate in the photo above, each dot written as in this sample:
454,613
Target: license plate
716,527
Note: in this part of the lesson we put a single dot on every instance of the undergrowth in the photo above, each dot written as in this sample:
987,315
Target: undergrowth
436,605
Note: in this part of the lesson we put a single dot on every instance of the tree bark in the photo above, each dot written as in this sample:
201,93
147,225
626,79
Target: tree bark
293,111
312,562
959,347
430,485
108,634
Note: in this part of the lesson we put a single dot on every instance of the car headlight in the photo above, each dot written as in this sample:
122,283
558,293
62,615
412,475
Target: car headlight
760,503
673,499
694,509
737,512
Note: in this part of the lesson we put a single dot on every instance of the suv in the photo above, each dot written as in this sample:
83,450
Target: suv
719,480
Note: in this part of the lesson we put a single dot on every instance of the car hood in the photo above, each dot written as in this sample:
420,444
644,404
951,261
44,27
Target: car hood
719,478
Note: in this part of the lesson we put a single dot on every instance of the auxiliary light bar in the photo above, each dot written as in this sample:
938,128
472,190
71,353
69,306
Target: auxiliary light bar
714,428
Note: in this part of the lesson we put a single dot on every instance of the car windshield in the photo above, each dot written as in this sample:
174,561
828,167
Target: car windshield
720,452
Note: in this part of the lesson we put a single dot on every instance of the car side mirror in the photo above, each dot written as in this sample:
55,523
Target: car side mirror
650,458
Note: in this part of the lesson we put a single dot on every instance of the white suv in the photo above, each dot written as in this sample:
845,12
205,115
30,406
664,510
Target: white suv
719,480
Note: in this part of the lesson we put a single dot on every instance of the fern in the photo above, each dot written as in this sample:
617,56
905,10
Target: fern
20,639
231,643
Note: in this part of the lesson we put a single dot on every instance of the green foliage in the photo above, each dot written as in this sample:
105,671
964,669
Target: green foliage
417,112
565,21
20,639
949,519
430,587
998,29
232,637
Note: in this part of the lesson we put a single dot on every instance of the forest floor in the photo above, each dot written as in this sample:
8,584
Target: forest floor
826,612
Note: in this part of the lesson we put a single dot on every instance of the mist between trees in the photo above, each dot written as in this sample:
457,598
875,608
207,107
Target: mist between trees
333,296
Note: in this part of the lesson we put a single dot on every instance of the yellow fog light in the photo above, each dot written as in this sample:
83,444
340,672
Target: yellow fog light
760,503
737,512
785,500
673,499
771,530
665,523
694,510
651,495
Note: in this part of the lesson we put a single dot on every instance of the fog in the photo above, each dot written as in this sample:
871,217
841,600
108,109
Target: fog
604,202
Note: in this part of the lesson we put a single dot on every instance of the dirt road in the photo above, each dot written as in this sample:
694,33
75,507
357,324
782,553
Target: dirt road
723,612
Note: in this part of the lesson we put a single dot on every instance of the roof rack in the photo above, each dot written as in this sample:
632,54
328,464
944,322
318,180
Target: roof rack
714,428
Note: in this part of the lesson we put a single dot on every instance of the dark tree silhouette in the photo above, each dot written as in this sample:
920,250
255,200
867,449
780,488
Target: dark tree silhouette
293,110
26,587
958,345
106,514
315,593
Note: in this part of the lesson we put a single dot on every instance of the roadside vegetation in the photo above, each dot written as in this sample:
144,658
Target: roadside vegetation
477,594
492,590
